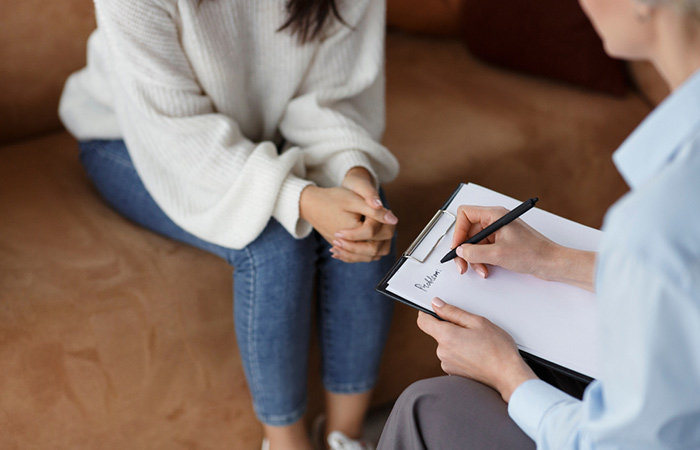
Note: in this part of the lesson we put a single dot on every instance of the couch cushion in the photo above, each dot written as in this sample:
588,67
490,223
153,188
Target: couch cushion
436,17
41,43
110,336
551,38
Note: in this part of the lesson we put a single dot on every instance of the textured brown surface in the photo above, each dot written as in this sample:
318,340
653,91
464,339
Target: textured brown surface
112,337
41,43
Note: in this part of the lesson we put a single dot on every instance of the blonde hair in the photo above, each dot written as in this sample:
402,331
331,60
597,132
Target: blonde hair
688,7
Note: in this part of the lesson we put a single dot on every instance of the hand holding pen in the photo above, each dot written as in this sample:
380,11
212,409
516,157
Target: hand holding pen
517,246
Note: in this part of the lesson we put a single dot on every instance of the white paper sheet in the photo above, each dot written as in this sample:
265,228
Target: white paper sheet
551,320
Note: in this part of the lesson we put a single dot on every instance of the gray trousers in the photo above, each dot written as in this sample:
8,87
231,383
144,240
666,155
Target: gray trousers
451,413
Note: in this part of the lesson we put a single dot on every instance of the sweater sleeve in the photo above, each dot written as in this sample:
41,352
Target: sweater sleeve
337,118
200,169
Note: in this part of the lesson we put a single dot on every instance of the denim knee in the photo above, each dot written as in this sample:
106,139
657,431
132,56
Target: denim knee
273,285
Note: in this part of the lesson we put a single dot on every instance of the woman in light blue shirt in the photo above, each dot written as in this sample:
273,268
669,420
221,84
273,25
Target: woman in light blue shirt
646,275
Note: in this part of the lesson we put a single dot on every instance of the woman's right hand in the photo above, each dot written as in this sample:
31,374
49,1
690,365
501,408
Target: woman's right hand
331,210
517,247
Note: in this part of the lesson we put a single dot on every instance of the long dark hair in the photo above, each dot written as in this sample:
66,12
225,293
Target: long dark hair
306,19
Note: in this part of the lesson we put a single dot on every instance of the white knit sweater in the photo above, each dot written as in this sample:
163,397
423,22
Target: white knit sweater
202,91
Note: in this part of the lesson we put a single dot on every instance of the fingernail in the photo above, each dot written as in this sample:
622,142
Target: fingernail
333,250
339,235
377,202
481,273
391,218
460,252
461,269
438,303
337,244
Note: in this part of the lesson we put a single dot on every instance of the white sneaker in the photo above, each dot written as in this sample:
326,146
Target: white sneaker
338,441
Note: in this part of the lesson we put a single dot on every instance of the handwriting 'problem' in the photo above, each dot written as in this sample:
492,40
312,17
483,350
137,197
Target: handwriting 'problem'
428,281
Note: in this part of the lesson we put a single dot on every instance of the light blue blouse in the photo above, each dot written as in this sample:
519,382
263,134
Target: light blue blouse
648,284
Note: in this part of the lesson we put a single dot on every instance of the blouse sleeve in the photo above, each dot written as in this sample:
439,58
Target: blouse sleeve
204,174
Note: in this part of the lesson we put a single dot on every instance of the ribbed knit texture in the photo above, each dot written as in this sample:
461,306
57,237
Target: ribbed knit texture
201,92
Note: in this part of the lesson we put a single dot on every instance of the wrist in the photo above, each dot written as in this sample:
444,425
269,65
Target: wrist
307,200
571,266
554,262
359,171
517,374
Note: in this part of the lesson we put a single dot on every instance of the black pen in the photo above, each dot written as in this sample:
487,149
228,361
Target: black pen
505,220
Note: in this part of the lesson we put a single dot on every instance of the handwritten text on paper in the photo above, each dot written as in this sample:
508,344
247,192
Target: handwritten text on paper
428,281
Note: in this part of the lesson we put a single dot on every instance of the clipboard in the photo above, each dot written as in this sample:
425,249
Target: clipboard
439,229
441,215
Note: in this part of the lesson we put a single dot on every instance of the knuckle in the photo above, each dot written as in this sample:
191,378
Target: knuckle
357,257
480,322
383,234
361,236
445,367
498,254
349,237
449,341
349,257
442,336
440,352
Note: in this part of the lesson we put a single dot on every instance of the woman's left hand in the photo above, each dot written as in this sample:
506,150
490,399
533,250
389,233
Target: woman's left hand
473,347
372,237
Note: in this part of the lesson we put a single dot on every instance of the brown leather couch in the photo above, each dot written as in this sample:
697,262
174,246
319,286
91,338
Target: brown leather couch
112,337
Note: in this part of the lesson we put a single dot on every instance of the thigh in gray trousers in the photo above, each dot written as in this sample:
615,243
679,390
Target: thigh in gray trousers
451,413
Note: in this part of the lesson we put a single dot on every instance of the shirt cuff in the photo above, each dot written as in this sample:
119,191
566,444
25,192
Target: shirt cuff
287,208
531,401
336,167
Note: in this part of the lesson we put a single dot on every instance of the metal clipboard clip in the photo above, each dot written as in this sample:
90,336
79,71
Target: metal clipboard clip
436,229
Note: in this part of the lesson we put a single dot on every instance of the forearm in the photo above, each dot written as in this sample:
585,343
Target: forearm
568,265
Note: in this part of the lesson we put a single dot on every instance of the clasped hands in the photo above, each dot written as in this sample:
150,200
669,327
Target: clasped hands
350,217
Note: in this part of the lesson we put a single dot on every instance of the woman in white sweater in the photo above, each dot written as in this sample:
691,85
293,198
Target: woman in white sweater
250,129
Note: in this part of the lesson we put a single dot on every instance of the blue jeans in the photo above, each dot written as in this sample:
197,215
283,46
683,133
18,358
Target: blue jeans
274,281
